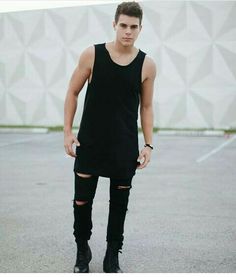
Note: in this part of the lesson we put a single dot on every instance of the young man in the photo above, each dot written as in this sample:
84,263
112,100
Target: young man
119,77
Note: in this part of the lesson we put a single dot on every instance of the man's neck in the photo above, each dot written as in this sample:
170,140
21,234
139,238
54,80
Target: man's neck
119,48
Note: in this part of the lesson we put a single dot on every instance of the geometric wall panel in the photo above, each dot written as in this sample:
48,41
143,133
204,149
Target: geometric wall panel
192,42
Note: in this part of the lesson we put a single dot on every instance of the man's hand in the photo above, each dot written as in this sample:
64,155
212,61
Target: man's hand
144,157
69,139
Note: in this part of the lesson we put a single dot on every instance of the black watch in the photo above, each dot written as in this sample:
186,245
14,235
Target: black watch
148,145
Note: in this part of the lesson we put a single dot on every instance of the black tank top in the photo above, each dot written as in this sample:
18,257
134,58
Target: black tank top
108,132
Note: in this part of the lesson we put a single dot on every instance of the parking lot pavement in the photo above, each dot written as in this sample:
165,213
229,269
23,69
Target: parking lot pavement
181,215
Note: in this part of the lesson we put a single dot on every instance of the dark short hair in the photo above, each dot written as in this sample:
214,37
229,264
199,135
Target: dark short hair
129,8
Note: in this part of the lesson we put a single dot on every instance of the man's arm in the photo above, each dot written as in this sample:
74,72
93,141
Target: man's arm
81,73
146,108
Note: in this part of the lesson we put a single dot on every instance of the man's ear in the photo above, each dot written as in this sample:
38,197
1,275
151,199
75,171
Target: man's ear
114,25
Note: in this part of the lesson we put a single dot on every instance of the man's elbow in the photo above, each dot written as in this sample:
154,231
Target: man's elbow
72,93
146,108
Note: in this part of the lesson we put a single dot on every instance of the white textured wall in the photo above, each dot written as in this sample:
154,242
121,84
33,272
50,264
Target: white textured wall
193,44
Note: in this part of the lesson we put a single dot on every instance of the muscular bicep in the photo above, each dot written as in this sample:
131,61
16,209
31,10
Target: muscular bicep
82,71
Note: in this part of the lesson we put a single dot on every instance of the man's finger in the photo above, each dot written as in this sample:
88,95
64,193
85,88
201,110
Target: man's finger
141,157
142,164
77,142
70,151
72,154
67,149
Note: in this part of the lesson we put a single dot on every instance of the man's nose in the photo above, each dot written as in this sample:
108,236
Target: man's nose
128,31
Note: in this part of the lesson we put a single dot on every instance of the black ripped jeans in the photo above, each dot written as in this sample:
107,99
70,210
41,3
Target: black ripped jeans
85,189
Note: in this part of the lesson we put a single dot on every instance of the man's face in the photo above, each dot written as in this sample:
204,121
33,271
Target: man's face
127,29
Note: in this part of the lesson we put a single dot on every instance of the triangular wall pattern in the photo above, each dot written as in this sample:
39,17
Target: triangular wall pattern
192,42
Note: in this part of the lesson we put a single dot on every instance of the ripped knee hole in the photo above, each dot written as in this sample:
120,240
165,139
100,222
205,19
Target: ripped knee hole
80,203
83,175
123,187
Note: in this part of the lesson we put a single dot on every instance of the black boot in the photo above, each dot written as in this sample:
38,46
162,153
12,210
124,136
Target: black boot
84,256
111,261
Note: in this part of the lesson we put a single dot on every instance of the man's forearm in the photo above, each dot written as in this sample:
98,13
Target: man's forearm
70,107
146,115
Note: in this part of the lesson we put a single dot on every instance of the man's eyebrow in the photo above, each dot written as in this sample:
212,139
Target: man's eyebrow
124,24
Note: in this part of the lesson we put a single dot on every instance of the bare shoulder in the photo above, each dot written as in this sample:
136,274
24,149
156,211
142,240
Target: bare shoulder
89,51
149,68
87,56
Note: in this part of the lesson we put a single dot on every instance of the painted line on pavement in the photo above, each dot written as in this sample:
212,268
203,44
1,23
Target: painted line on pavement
217,149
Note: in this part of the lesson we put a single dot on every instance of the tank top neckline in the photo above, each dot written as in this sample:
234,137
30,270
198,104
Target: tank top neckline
120,65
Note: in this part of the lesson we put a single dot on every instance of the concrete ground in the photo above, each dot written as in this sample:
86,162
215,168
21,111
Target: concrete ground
181,215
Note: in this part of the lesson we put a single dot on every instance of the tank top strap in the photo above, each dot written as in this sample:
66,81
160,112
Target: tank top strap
99,47
141,57
100,53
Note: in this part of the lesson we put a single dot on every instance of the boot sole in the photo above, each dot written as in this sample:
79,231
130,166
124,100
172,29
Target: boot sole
87,271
